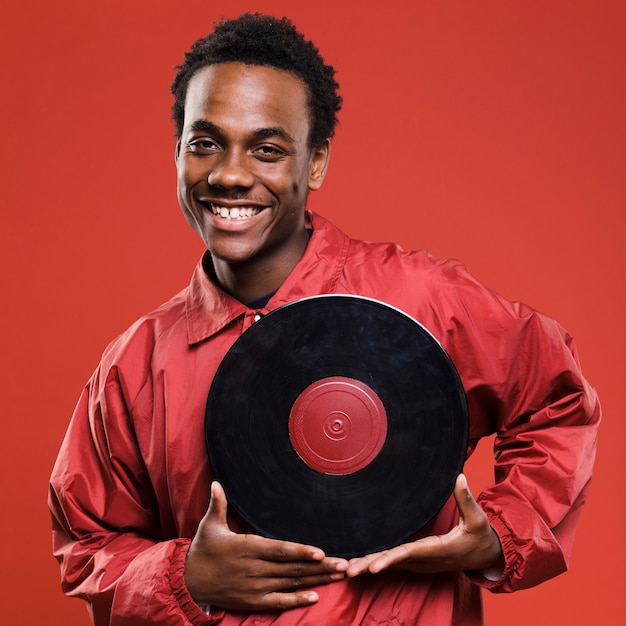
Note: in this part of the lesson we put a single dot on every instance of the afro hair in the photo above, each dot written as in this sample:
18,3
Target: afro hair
257,39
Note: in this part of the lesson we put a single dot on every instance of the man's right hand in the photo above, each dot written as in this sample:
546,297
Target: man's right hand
252,573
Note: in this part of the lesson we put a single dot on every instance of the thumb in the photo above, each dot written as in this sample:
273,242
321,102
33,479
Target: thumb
468,507
218,507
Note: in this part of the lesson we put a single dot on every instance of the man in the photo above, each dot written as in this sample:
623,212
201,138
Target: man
255,109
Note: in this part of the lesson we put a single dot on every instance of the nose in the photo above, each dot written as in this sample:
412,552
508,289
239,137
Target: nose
231,171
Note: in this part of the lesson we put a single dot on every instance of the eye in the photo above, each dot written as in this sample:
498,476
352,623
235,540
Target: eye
269,152
202,145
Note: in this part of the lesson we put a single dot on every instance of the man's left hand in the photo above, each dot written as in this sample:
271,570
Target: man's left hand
471,545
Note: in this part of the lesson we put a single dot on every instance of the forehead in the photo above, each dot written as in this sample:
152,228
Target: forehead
248,97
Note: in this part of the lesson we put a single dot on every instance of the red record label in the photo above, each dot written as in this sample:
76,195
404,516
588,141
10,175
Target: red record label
338,425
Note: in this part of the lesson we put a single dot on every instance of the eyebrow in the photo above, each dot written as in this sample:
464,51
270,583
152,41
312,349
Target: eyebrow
274,132
205,126
271,131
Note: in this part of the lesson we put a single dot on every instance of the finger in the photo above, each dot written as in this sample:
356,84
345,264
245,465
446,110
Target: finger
290,600
303,581
388,558
411,554
304,569
287,551
218,507
469,510
361,565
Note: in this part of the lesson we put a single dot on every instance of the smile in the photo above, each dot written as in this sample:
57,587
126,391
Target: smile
236,213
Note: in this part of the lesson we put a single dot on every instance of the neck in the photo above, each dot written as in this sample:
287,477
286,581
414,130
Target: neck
249,280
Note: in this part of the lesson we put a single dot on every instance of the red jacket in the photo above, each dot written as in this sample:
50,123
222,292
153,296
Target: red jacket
132,479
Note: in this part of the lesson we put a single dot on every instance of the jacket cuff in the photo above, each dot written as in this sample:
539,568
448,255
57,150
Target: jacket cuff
187,604
509,554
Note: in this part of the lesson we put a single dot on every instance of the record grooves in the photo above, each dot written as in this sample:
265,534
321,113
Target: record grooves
337,421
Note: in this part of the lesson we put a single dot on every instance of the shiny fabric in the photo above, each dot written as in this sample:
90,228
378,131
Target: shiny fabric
132,479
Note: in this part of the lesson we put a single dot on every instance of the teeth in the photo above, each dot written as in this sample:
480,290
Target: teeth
238,213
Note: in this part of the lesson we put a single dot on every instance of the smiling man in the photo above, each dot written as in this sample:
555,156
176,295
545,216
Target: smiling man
142,531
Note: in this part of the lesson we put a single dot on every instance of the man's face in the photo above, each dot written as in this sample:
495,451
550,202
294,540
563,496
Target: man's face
244,163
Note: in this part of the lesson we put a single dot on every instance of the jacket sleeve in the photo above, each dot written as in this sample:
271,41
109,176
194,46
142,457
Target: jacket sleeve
524,382
106,532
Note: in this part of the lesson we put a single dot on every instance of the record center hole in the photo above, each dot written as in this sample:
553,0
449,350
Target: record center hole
337,425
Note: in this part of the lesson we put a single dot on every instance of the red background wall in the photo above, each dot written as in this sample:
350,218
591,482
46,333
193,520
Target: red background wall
488,130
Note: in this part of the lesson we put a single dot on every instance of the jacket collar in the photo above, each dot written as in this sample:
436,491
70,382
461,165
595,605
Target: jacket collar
209,309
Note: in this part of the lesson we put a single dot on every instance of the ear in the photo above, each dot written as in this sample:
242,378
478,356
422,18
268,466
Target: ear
318,165
177,152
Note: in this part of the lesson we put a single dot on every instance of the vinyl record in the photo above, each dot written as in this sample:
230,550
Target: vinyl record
337,421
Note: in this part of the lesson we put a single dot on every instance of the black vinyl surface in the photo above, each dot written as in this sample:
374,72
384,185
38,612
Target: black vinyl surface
267,481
